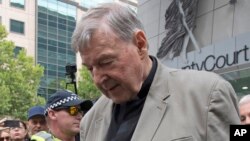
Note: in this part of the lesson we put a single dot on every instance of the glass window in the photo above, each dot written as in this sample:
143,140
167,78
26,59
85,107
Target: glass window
52,5
52,30
52,54
62,26
52,60
17,49
52,42
42,15
42,34
72,23
62,8
61,44
61,62
17,3
53,18
42,46
71,12
61,56
17,26
61,69
43,3
42,58
62,32
52,73
42,9
240,81
52,24
61,20
61,74
42,40
52,48
42,21
52,67
42,52
61,38
42,27
62,50
70,28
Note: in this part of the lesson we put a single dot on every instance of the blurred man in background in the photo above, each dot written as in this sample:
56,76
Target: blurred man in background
244,106
36,120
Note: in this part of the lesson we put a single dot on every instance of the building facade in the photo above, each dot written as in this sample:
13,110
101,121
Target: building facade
44,29
221,31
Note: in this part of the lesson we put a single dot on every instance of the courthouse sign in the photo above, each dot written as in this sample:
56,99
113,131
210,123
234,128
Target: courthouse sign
221,61
231,52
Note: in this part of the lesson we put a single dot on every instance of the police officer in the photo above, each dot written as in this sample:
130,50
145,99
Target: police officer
63,111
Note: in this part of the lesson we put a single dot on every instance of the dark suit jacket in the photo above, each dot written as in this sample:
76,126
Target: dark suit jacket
182,105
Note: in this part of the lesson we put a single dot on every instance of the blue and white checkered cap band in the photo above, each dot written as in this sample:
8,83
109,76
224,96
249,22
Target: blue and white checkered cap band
61,102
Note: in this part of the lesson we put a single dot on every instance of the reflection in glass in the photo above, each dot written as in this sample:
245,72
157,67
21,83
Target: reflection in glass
17,3
240,81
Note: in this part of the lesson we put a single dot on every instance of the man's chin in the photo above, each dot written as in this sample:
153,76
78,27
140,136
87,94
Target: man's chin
118,101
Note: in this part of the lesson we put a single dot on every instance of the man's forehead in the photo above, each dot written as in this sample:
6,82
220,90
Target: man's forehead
99,53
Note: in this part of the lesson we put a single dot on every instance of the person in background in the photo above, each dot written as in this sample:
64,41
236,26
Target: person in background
19,133
244,106
4,134
144,100
64,111
4,131
36,120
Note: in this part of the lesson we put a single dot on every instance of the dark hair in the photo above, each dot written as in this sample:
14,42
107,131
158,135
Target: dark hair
24,124
25,127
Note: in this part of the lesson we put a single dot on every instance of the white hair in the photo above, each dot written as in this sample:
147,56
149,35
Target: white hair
122,21
245,99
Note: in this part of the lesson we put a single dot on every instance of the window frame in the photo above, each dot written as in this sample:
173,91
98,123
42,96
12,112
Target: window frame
11,28
12,5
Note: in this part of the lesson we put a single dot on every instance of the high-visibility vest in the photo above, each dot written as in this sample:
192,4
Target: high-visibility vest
43,136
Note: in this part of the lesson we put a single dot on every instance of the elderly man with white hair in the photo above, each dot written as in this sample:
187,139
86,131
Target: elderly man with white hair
244,107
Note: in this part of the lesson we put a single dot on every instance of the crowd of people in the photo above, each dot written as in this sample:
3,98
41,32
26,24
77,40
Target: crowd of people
142,99
58,120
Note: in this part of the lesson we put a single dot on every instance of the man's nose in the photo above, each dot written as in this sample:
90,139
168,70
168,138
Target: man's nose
97,75
38,124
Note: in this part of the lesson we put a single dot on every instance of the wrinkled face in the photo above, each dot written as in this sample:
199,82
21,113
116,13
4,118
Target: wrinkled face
36,124
245,113
18,133
116,66
67,124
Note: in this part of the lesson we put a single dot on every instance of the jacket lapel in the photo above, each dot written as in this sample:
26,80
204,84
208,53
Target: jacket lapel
103,121
154,108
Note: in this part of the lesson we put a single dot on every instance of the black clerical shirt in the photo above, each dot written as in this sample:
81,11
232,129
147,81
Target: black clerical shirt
125,116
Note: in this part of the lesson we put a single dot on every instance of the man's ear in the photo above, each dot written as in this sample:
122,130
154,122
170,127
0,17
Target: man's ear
51,114
140,41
